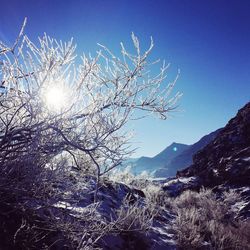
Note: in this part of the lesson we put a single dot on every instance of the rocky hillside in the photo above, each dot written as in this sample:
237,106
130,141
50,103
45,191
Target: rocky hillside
123,218
223,165
227,158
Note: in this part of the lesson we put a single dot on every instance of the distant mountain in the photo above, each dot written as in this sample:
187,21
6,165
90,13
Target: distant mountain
175,157
185,158
151,164
226,159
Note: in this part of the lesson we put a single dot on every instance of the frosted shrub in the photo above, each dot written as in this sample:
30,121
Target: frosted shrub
54,104
122,175
156,197
133,216
152,191
205,222
128,178
230,198
188,227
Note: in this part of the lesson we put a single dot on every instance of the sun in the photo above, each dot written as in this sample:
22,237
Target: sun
55,98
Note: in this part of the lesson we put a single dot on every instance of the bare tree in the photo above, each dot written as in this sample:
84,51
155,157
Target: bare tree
49,104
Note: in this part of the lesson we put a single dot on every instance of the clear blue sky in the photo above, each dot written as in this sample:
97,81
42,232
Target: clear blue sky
208,40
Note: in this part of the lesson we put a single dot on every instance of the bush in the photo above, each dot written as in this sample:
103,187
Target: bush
56,109
133,216
205,222
126,176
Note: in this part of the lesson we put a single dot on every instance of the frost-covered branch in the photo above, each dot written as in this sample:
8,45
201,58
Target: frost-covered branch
98,98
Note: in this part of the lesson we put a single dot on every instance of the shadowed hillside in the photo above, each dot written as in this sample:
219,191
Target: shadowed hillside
185,158
227,158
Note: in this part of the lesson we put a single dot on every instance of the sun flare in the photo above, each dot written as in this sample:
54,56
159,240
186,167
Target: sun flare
55,98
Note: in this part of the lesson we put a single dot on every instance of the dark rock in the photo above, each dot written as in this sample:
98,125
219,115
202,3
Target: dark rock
176,186
227,158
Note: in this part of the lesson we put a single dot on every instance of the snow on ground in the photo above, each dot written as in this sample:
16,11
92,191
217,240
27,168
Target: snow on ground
246,159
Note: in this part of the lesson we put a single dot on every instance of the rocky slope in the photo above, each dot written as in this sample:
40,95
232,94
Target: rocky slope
225,160
61,222
223,165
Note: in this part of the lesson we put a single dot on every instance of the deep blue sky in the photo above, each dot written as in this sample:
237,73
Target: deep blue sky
208,40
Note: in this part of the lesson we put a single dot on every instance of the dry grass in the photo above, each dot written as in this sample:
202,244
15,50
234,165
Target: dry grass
205,222
134,216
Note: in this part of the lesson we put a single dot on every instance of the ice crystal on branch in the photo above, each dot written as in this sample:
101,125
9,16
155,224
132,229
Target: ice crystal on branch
52,105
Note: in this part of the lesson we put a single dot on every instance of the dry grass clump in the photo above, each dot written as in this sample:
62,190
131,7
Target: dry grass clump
205,222
133,216
126,177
